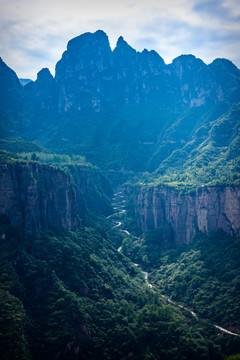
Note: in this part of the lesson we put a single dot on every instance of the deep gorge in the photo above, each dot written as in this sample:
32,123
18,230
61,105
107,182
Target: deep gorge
167,137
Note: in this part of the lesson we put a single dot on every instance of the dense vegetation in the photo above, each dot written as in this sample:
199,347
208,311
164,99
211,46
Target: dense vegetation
72,295
211,157
19,145
43,158
51,158
204,275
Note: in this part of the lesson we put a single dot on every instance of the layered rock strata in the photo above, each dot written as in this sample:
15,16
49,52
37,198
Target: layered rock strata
207,209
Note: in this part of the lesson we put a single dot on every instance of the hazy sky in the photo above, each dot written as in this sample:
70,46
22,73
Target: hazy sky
34,33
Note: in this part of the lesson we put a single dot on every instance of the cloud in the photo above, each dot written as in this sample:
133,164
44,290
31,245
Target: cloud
146,42
34,34
184,32
224,10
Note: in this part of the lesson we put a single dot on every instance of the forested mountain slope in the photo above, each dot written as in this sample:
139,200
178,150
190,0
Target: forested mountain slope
125,109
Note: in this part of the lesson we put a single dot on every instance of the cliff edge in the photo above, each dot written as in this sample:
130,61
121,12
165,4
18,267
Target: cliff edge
207,209
37,196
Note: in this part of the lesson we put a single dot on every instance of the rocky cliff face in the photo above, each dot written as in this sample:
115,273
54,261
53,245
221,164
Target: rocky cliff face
36,197
207,209
84,72
121,108
41,105
91,76
132,102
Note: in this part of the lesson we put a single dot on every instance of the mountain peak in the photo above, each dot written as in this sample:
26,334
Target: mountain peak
90,51
122,45
8,75
153,56
121,41
224,65
184,64
100,33
80,41
185,58
3,65
44,74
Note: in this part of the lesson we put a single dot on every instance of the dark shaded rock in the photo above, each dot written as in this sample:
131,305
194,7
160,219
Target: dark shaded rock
36,197
41,104
11,101
84,72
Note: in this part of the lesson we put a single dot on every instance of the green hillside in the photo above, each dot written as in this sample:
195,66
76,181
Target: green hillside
212,157
64,294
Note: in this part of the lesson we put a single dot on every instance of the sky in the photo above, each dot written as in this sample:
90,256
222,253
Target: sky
34,33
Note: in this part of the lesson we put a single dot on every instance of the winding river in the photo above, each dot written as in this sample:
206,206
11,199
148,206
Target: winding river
118,203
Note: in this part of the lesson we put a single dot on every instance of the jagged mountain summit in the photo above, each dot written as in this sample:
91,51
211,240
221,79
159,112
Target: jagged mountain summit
121,108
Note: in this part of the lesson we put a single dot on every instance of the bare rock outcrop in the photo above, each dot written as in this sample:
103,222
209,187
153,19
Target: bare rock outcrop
207,209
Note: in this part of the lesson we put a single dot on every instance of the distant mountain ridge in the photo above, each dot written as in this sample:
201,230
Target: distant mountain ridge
122,109
24,81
